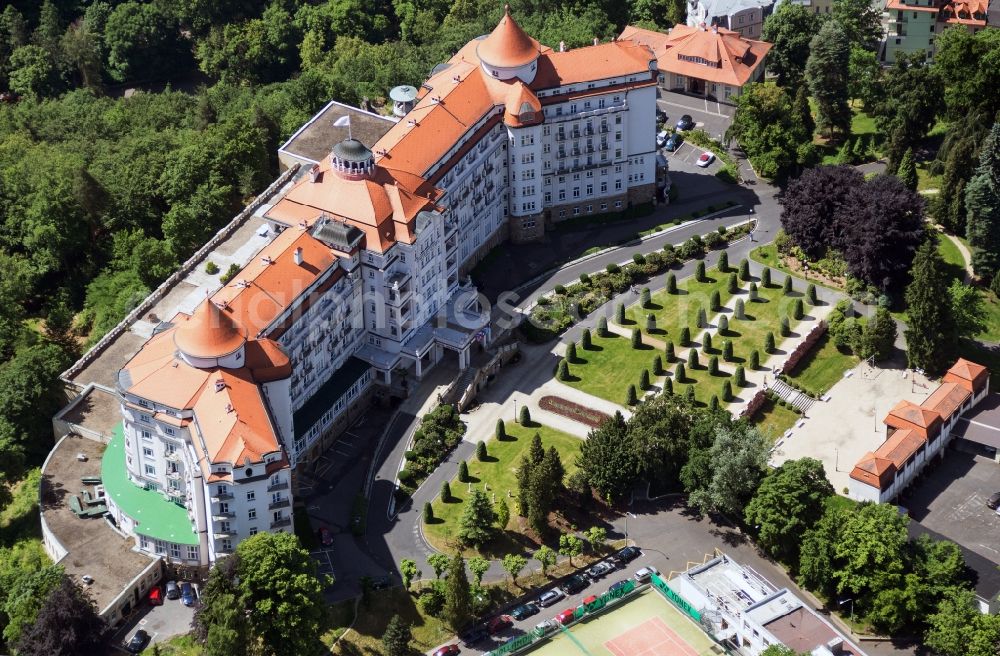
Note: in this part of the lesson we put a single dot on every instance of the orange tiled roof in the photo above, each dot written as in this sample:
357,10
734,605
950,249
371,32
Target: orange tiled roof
732,58
521,102
209,333
508,46
874,471
900,5
600,62
909,415
947,399
966,373
965,12
899,447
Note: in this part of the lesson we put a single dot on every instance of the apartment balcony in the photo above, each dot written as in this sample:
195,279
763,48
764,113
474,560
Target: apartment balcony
222,497
174,475
218,516
283,503
396,278
175,456
277,486
281,523
397,298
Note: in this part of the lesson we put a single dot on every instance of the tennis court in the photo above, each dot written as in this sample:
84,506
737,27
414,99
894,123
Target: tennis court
648,625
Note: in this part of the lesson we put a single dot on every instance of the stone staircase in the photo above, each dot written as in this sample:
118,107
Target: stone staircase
791,395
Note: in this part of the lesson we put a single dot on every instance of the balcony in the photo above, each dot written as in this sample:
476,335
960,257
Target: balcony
174,475
218,516
281,523
173,456
227,496
277,486
283,503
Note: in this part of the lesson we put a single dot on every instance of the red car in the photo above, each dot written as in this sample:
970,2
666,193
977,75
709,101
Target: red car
448,650
156,596
566,616
500,623
589,600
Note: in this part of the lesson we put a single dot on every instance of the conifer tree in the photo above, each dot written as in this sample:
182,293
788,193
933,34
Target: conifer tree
699,271
706,343
723,263
689,394
650,323
765,277
752,293
727,350
668,386
501,431
636,338
693,358
745,270
797,310
785,330
644,297
713,365
602,327
982,202
732,284
657,368
702,318
585,339
727,391
669,352
644,380
754,361
827,76
671,284
571,352
907,170
739,311
786,286
716,301
930,332
685,337
739,376
620,314
631,398
457,598
723,325
769,342
811,294
680,374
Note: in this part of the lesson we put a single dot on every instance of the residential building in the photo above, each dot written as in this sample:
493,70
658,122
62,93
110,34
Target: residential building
745,17
713,62
911,26
352,282
747,613
917,433
817,6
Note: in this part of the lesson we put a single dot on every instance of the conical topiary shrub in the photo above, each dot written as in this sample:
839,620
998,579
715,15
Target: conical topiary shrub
685,336
631,398
740,376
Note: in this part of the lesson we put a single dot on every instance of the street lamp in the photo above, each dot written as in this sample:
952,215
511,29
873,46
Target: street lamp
844,601
627,515
515,410
750,218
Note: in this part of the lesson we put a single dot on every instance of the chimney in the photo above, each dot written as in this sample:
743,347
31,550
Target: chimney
314,173
596,40
220,384
562,46
297,256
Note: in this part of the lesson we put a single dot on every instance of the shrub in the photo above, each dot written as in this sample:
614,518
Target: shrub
811,294
732,284
727,391
612,268
753,291
620,314
769,343
740,376
445,491
727,350
765,277
525,416
685,336
543,300
714,240
657,367
786,286
744,270
584,279
481,454
689,394
699,272
230,273
706,342
431,601
563,371
723,262
636,338
650,323
713,365
644,380
723,325
406,477
602,327
713,404
785,330
739,312
571,352
631,398
463,472
693,358
559,289
702,318
671,284
644,297
501,430
668,386
797,310
754,361
680,374
638,258
669,351
211,268
716,301
585,340
428,512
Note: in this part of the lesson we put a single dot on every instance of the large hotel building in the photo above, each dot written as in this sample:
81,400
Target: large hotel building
355,282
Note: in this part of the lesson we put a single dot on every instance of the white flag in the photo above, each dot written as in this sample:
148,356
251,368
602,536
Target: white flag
342,122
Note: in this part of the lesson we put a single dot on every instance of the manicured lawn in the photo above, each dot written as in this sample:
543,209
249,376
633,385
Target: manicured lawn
365,637
499,472
705,386
768,256
762,316
675,311
925,180
992,307
773,420
609,367
822,367
952,256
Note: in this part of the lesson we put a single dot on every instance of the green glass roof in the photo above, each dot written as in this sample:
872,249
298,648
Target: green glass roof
155,516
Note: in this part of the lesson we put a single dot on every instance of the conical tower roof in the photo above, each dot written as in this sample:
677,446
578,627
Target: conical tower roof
209,333
508,46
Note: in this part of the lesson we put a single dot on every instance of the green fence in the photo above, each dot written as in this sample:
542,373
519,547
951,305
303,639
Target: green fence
677,600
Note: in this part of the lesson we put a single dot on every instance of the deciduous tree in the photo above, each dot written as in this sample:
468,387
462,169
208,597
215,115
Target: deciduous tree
478,566
513,564
570,546
790,28
608,460
67,624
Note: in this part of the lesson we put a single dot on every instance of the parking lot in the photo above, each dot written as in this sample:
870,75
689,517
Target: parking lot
161,622
712,117
950,499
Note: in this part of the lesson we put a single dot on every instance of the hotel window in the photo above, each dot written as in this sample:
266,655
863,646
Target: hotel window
576,211
590,208
169,431
175,550
576,192
276,516
251,496
150,470
192,553
604,187
145,418
547,197
590,190
227,545
562,194
252,513
546,148
604,206
618,203
143,542
161,547
618,185
144,403
252,531
146,451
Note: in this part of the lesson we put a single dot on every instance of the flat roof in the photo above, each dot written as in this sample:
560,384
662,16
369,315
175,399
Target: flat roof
92,546
96,410
314,140
982,423
802,630
155,516
735,586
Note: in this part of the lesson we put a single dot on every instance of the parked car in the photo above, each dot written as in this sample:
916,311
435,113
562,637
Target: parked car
642,575
705,159
589,599
566,616
550,597
473,636
138,642
619,584
674,142
500,623
325,536
187,594
523,611
626,555
448,650
575,584
546,627
173,592
994,501
600,570
380,582
661,116
155,596
685,122
661,139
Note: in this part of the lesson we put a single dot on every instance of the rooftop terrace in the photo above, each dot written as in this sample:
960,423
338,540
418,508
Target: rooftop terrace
316,139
